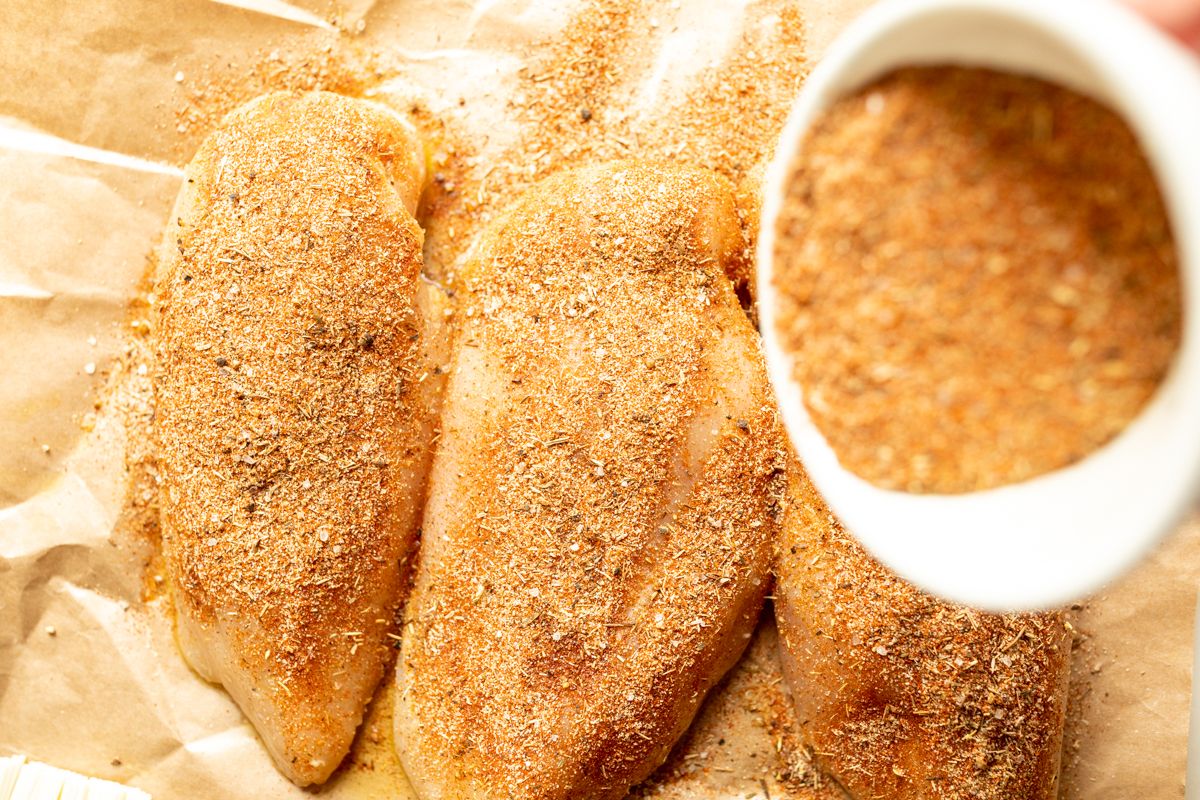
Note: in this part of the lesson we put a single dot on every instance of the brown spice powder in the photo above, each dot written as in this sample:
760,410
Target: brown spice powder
976,278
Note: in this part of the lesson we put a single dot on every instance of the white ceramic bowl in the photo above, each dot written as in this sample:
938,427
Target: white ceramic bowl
1060,536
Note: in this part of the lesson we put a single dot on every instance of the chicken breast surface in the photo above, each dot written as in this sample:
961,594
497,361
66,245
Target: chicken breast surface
293,427
902,696
597,540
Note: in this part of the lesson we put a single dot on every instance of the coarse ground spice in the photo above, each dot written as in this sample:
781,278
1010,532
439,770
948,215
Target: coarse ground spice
976,278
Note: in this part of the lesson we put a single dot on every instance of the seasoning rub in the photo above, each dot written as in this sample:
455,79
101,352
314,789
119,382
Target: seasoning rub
902,696
293,429
596,544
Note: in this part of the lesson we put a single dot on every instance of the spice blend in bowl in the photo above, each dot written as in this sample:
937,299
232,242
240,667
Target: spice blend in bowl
976,278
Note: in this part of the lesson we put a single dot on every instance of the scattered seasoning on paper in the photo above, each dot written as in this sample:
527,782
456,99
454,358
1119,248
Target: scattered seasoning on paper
127,409
1080,700
222,87
580,98
976,279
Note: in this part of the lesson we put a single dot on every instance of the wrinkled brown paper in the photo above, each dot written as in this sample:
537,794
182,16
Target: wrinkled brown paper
90,679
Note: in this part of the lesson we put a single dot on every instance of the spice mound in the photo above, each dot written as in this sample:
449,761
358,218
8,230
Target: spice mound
976,279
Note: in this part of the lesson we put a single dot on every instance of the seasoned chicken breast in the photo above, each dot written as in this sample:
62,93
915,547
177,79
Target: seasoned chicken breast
902,696
596,544
293,421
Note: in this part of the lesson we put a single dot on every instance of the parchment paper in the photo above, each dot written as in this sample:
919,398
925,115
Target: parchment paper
91,146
